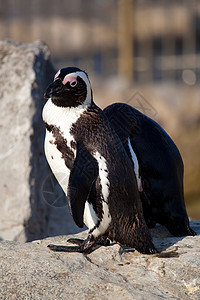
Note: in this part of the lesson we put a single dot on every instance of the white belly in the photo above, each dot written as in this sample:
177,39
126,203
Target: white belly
56,162
90,218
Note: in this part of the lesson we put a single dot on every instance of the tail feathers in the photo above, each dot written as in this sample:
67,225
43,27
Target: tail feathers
133,232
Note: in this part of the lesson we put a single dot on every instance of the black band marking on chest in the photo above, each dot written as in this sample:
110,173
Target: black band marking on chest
61,144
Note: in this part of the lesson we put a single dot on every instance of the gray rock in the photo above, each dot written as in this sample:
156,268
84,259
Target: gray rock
32,205
32,271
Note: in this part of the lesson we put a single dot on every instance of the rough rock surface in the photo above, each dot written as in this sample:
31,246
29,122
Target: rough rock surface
32,271
29,207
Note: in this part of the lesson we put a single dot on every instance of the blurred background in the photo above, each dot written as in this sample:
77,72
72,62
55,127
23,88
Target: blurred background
143,52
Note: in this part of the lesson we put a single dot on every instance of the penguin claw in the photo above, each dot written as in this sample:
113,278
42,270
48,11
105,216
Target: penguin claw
150,250
153,251
192,232
105,242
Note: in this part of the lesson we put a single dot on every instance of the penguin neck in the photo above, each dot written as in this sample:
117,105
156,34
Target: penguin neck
55,115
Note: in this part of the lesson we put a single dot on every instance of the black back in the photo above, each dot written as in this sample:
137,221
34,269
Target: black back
160,164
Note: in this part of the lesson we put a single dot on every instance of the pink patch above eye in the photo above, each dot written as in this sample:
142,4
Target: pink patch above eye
71,79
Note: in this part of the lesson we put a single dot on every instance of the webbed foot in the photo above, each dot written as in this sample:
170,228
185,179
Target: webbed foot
83,246
75,241
102,241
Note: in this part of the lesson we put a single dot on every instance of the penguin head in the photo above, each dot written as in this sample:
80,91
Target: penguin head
70,88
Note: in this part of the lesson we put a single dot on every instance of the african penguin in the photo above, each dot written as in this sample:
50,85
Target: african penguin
158,167
91,165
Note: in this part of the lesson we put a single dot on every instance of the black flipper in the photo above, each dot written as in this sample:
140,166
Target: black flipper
82,176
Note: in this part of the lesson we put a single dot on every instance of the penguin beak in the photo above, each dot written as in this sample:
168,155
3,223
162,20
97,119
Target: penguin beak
54,89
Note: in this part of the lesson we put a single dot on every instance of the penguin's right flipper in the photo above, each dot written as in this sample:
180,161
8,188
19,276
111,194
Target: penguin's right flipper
83,174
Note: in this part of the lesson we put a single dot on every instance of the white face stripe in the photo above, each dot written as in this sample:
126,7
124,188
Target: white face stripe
57,74
136,164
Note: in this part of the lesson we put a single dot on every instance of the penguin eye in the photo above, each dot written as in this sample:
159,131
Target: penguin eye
73,83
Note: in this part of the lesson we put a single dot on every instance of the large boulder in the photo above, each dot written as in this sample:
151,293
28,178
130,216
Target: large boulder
32,205
32,271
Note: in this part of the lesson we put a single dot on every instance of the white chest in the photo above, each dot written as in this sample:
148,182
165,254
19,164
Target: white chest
56,161
63,119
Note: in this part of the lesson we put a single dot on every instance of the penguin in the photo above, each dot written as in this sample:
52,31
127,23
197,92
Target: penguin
158,167
91,165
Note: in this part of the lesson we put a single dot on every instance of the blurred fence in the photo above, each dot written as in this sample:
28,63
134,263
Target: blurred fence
165,35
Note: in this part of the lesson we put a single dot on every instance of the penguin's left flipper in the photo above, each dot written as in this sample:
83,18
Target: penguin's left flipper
82,177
